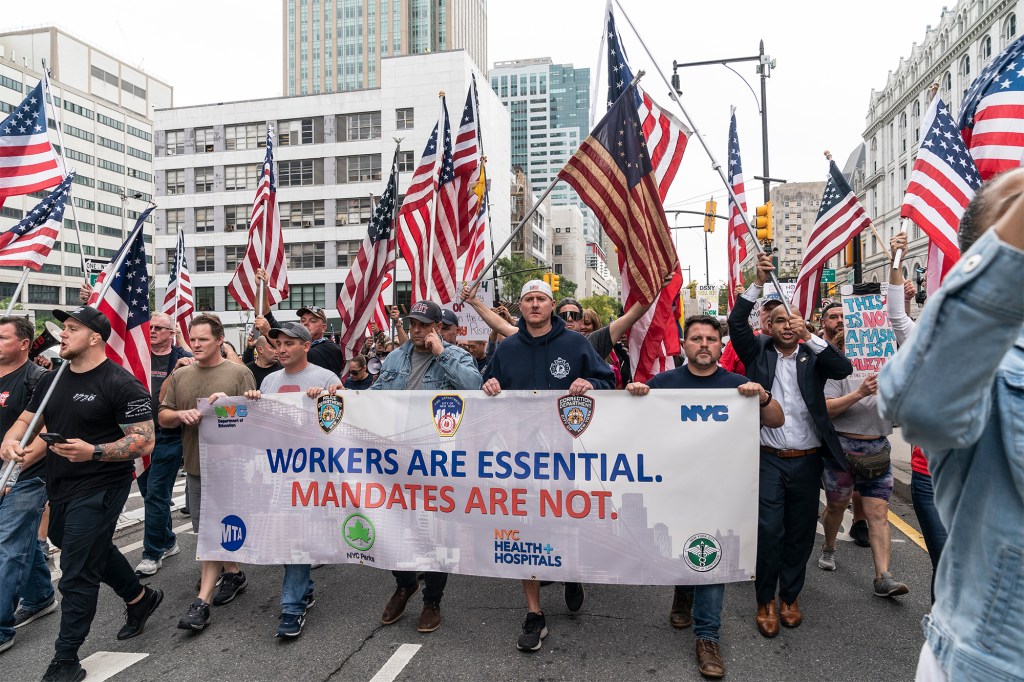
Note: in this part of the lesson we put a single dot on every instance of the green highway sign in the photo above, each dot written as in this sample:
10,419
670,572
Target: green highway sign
828,276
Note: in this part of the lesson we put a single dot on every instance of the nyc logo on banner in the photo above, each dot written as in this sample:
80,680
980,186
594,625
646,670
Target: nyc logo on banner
447,411
576,412
329,411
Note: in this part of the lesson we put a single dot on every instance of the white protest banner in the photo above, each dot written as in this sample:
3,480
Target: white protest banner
869,337
601,488
471,326
707,299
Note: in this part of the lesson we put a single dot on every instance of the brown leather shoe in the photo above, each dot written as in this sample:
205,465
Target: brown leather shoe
709,659
789,614
681,615
767,619
396,605
430,618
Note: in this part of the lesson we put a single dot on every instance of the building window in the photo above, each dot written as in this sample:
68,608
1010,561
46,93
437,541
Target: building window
302,214
79,133
903,132
110,144
245,136
233,255
138,132
306,255
141,175
404,119
347,252
303,296
299,131
175,142
205,299
38,293
558,249
915,120
204,260
204,179
204,140
947,85
236,218
241,177
204,219
354,211
1009,29
229,302
175,219
361,126
295,173
558,268
406,162
175,182
986,49
360,168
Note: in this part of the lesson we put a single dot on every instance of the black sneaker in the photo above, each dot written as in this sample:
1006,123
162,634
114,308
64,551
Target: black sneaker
197,618
138,613
574,596
859,533
535,629
291,625
61,670
232,584
309,599
24,616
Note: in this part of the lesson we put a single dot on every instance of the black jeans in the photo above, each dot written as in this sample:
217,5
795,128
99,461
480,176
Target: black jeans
83,528
787,519
433,584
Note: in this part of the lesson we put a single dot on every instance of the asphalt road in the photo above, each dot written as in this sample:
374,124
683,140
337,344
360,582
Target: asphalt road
622,633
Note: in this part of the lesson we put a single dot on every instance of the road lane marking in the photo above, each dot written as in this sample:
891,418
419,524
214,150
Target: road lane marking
908,530
103,665
138,545
396,663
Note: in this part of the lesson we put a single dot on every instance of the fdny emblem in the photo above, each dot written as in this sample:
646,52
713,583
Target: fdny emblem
560,368
576,412
329,409
447,411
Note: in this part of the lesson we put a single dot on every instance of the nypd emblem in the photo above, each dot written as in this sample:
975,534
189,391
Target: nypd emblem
576,412
447,411
560,368
329,409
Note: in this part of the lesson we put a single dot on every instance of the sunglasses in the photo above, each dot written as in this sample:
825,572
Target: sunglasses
571,316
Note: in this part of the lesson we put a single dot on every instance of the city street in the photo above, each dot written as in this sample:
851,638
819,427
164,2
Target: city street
621,633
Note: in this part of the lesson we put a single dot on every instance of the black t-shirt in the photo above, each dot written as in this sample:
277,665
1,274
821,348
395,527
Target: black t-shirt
359,384
260,373
90,406
325,353
682,377
15,391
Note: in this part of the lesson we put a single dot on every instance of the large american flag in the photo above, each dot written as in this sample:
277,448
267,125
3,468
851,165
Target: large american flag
737,245
840,219
381,316
943,182
126,304
360,294
416,220
266,243
179,302
451,215
27,160
27,244
613,175
469,172
992,114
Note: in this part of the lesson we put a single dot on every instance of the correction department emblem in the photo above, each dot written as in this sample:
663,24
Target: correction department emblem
359,533
576,412
560,368
329,409
447,412
702,552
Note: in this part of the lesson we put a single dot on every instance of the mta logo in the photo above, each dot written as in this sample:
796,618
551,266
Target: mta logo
232,533
693,413
230,411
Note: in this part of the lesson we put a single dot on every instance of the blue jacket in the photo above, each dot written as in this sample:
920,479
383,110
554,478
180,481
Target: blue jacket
553,361
453,370
969,423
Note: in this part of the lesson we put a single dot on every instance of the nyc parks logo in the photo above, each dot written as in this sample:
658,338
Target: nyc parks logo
359,532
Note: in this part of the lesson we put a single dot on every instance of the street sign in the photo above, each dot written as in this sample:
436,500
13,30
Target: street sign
93,268
828,276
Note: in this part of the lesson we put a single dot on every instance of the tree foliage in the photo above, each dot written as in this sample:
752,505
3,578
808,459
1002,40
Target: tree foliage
517,270
604,306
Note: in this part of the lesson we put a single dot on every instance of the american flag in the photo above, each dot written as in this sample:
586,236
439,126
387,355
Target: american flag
475,259
451,214
469,173
381,317
27,160
360,295
942,183
737,246
840,219
416,220
992,114
266,243
126,304
613,175
179,302
27,244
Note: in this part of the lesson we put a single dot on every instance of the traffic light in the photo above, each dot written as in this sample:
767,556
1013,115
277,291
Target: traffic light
546,277
849,254
554,281
763,222
709,215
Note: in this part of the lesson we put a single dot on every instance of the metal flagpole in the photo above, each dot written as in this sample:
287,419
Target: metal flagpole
263,237
714,162
431,228
394,215
30,432
17,292
180,255
600,58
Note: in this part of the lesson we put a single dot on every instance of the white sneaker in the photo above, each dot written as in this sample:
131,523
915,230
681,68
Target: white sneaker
171,552
148,566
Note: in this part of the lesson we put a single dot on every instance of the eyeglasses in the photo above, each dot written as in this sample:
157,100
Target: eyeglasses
570,316
162,329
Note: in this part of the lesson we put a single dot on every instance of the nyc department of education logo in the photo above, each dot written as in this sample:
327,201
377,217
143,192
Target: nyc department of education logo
576,412
702,552
329,410
359,533
447,412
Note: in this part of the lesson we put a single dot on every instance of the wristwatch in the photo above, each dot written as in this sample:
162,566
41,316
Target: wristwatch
97,451
766,400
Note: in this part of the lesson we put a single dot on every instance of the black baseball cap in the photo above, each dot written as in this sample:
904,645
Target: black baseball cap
90,317
449,317
292,329
425,311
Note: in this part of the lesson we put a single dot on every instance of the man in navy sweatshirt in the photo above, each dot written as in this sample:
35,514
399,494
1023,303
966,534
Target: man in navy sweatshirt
544,356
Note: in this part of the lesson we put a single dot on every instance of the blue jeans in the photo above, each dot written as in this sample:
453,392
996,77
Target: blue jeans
156,485
923,497
294,587
707,609
20,512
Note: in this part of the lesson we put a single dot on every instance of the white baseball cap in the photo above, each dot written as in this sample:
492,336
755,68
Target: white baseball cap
537,285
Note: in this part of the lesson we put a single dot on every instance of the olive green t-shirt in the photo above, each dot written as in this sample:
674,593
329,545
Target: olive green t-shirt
189,384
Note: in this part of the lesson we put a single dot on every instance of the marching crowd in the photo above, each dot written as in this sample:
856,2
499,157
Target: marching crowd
956,389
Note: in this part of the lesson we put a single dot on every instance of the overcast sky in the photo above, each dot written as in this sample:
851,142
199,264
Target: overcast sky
829,57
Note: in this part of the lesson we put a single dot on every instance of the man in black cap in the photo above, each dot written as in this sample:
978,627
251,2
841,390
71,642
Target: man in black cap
449,325
322,351
102,421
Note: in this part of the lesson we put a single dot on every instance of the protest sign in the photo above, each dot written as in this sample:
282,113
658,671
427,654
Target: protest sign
471,326
869,337
600,488
707,300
